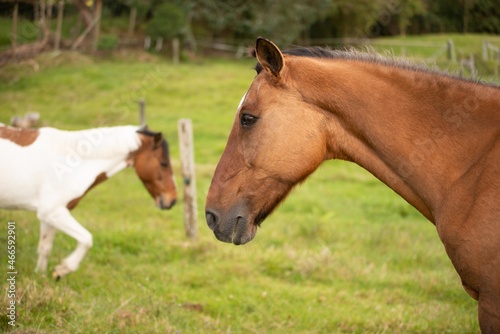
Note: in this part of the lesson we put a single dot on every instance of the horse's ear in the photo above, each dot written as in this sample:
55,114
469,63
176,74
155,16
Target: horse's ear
269,56
157,137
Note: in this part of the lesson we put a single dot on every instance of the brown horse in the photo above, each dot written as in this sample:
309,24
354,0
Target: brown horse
431,137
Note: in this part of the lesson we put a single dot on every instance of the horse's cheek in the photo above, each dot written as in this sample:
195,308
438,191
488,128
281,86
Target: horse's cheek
248,149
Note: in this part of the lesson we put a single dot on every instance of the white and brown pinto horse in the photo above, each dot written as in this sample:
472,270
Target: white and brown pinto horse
431,137
49,170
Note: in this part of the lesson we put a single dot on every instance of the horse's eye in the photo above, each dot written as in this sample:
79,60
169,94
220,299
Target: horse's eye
248,120
163,164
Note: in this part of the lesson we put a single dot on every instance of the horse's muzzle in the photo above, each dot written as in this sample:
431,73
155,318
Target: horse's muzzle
235,230
165,205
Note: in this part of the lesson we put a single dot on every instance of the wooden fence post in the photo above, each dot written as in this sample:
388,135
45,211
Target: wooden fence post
485,50
472,65
159,44
175,51
142,111
188,177
451,51
60,14
147,42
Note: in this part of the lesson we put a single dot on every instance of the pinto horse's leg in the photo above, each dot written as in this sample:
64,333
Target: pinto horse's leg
47,233
62,220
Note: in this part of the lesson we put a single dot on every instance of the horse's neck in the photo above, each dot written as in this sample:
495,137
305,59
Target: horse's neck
410,129
105,149
104,143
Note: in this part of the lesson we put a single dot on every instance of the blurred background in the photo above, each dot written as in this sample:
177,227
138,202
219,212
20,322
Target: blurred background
195,28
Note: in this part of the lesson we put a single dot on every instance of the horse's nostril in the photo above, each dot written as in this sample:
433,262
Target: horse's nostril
211,219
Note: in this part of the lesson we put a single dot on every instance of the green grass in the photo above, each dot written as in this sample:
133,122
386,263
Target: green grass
433,50
343,254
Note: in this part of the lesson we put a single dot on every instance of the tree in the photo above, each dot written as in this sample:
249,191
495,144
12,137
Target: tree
355,18
467,6
90,12
281,20
134,8
407,10
485,16
168,21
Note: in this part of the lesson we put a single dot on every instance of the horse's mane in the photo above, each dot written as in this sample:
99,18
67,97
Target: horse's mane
373,57
96,143
353,54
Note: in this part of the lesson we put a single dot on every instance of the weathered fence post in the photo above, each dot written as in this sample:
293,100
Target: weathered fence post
485,50
175,51
147,42
159,44
188,177
472,65
498,55
451,51
142,111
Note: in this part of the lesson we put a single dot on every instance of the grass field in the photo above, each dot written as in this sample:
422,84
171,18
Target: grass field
343,254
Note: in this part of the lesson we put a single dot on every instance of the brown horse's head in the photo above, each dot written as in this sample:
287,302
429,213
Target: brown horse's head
152,164
276,141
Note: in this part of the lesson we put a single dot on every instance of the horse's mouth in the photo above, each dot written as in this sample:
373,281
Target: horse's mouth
239,232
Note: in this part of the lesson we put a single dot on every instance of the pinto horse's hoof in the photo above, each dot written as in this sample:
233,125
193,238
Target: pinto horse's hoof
56,276
60,271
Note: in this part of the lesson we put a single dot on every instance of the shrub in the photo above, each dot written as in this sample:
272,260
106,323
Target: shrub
168,21
107,42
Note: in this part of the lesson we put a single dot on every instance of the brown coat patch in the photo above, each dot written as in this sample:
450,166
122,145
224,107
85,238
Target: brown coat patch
21,137
99,179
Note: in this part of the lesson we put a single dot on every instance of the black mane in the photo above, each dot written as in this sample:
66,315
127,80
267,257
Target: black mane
373,57
313,52
320,52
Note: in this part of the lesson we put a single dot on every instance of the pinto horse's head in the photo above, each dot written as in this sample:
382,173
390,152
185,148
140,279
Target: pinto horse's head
152,164
276,141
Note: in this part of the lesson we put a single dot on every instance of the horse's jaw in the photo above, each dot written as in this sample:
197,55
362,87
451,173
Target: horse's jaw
235,216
